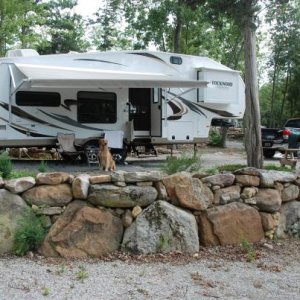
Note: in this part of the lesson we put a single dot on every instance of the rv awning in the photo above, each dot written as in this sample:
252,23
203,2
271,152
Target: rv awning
38,76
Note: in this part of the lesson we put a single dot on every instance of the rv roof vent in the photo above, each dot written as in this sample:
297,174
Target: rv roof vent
21,53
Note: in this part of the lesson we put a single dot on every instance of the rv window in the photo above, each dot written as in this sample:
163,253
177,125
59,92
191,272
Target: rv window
176,60
96,107
37,98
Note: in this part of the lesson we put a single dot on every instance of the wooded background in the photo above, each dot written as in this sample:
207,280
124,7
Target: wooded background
223,30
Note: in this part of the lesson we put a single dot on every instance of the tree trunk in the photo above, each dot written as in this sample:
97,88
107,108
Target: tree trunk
271,118
177,33
252,114
224,132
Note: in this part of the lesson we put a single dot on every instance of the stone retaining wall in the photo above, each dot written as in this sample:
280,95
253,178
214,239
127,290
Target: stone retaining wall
145,212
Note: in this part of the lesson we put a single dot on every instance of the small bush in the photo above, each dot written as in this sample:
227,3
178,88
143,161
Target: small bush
29,234
215,138
225,168
21,173
250,252
278,168
5,165
179,164
43,166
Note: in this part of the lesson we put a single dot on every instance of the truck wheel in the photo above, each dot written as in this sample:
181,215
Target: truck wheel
268,153
91,150
119,155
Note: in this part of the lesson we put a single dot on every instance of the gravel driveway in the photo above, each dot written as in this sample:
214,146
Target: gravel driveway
220,272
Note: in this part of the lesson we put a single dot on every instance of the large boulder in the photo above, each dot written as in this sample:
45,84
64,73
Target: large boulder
193,194
49,195
109,195
188,192
142,176
162,227
230,224
83,231
12,207
247,180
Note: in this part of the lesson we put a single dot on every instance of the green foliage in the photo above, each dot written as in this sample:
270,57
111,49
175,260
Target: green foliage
250,252
82,274
215,137
277,168
45,291
225,168
5,165
21,173
43,166
29,234
183,163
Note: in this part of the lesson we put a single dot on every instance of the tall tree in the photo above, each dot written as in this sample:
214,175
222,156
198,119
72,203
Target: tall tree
63,30
243,13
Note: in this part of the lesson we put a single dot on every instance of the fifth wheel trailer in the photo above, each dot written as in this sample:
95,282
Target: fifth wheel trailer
131,97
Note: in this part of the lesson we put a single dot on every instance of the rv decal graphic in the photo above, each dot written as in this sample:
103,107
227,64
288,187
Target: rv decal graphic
27,132
196,108
192,106
24,115
68,103
69,121
99,60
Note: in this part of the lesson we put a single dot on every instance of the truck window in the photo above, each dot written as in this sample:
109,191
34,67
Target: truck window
293,123
26,98
94,107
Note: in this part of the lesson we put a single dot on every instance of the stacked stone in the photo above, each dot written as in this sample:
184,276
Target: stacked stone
142,212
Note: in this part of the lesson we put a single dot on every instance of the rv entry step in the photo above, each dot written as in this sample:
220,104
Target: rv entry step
143,147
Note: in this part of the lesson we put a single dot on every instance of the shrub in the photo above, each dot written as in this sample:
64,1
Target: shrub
215,138
29,234
43,166
5,165
183,163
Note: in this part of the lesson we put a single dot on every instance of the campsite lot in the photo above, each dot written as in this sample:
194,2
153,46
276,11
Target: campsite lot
213,272
210,157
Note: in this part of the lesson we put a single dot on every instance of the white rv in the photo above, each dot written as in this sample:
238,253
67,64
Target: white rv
133,97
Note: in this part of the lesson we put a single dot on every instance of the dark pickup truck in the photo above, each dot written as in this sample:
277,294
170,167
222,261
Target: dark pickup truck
274,139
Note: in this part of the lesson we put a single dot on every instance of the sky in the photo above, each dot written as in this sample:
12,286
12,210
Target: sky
87,7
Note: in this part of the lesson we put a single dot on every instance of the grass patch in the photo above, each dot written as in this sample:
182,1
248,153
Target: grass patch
5,165
30,233
21,173
277,168
183,163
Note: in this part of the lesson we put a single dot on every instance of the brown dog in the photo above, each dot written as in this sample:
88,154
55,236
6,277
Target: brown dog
105,158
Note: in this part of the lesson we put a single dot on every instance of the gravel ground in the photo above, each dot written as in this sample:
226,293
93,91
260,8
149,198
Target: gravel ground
219,272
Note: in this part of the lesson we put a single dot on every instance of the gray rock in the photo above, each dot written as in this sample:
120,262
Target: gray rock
49,211
124,197
80,186
289,221
247,171
12,207
162,227
268,200
50,195
222,180
127,218
227,195
117,176
289,193
268,178
19,185
142,176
